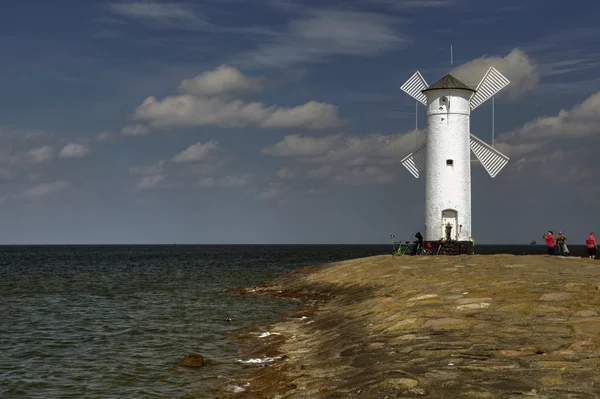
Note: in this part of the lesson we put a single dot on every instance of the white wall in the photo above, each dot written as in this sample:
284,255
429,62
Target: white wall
448,187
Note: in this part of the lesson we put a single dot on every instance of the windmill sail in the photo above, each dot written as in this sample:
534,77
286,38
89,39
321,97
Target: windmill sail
492,160
492,83
415,162
414,86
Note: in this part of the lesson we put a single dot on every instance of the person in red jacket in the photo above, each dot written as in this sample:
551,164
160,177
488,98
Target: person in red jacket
549,237
591,245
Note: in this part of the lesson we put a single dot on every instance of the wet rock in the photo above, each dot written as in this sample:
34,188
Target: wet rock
194,361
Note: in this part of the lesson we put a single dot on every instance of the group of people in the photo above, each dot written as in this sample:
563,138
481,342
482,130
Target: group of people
557,245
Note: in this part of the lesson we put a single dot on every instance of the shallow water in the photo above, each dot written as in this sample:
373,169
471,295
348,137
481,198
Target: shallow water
110,321
101,322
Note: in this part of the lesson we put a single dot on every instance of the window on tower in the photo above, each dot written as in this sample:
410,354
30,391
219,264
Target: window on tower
449,162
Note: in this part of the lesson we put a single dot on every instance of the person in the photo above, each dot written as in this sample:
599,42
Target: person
560,243
419,241
549,237
591,245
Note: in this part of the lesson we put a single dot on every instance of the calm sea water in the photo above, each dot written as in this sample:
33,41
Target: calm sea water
112,321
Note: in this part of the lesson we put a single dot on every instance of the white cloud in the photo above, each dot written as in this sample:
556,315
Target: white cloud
162,13
339,148
174,16
198,152
34,156
205,101
206,182
272,191
74,150
223,80
286,173
235,181
149,181
153,169
347,159
44,189
226,182
580,122
103,136
327,33
192,111
42,154
416,3
517,66
366,175
302,146
320,172
135,130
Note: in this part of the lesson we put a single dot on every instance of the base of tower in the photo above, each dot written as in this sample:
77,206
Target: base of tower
452,247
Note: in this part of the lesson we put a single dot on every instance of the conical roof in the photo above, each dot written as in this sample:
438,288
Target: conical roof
448,82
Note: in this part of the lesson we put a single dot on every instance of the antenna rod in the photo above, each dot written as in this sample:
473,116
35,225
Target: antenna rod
451,56
493,121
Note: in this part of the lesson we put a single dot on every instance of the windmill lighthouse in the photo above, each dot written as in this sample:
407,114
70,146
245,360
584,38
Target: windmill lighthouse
445,158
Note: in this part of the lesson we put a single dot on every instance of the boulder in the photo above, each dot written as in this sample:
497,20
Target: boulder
192,361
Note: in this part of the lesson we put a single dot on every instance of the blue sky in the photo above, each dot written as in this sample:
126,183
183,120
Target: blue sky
280,121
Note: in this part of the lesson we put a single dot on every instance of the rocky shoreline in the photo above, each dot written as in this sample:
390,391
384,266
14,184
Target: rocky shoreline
480,326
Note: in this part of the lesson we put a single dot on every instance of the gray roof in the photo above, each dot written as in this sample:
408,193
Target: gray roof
448,82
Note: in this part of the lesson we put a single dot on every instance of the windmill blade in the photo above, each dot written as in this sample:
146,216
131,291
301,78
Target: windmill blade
415,162
492,160
414,86
492,83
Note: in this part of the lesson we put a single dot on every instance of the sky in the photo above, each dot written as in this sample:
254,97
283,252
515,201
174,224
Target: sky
282,121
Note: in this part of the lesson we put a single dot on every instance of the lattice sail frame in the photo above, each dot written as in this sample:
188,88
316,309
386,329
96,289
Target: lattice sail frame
492,82
414,87
492,160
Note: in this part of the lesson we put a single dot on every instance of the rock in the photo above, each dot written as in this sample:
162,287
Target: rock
555,296
403,324
589,327
420,297
472,300
573,285
481,305
192,361
586,313
402,383
550,381
523,351
581,346
446,323
416,391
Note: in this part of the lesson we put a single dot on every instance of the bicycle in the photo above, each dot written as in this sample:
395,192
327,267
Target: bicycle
441,250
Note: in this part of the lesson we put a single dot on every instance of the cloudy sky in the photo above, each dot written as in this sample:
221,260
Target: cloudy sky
281,121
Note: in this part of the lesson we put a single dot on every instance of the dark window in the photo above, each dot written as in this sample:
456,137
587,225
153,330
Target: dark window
449,162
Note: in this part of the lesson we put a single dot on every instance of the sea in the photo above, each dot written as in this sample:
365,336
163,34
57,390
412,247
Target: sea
113,321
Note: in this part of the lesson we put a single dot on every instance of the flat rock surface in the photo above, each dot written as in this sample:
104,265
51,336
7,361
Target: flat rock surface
481,326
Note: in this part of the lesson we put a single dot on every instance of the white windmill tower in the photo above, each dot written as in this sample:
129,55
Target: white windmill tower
445,158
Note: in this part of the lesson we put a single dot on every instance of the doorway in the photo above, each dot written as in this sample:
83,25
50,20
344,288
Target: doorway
449,224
